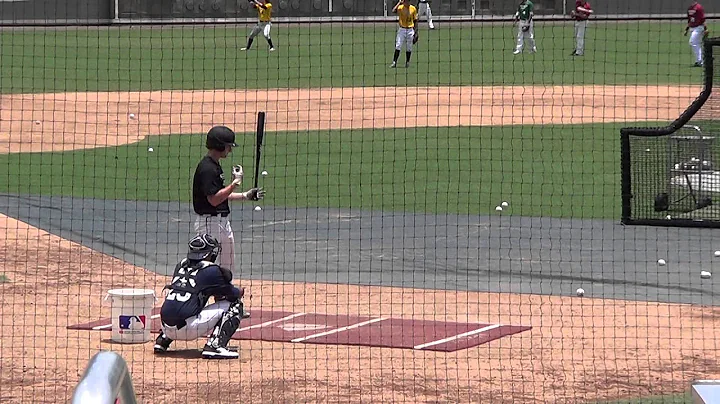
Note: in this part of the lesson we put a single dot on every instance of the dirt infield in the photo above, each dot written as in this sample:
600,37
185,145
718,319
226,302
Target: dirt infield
578,349
30,122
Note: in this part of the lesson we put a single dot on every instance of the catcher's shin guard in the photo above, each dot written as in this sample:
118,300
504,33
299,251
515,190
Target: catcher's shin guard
227,326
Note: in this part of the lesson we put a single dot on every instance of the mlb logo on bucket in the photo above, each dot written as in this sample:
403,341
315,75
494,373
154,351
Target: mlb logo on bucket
132,324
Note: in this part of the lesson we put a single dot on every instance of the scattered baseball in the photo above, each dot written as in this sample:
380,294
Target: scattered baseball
264,173
717,253
668,217
150,149
580,292
504,204
132,116
258,209
661,262
647,150
705,274
498,208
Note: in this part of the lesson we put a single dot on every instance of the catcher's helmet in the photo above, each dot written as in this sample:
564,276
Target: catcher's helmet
203,247
220,136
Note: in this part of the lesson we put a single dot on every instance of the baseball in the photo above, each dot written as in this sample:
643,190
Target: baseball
661,262
705,274
498,208
264,173
717,253
647,150
504,204
132,116
668,217
580,292
150,149
258,209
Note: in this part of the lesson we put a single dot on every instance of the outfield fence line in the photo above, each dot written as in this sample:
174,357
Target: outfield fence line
339,19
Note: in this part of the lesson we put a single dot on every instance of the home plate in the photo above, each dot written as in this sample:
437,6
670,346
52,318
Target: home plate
345,329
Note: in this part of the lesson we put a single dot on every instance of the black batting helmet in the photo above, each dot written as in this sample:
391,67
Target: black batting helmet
220,136
203,247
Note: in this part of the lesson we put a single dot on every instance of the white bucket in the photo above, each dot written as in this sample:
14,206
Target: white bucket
131,311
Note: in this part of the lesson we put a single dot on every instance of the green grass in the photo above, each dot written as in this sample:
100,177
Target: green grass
161,57
545,170
667,399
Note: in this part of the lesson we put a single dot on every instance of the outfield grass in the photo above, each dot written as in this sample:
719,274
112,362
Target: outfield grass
667,399
550,170
314,55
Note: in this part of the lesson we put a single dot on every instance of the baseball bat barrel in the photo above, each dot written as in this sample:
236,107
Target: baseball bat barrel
259,134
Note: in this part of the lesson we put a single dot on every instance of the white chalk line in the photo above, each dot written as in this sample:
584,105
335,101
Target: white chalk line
455,337
336,330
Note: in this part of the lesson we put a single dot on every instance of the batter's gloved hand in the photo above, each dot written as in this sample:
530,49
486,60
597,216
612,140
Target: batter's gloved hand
416,37
237,172
254,194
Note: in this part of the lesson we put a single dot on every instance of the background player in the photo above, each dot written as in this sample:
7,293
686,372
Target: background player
697,28
264,11
424,10
580,13
407,32
185,314
524,15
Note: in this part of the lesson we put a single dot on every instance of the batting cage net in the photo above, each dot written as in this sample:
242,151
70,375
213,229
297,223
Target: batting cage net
211,201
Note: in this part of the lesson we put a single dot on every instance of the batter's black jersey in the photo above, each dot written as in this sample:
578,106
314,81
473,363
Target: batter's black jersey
192,285
208,180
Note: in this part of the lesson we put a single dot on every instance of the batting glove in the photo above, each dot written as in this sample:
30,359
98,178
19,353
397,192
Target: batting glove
254,194
237,172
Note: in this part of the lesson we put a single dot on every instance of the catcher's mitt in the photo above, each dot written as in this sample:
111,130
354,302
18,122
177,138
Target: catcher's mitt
416,37
525,28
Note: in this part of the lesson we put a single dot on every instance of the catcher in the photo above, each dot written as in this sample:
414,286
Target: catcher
407,34
524,15
185,314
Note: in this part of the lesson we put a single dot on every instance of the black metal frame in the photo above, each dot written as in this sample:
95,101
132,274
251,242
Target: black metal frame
682,120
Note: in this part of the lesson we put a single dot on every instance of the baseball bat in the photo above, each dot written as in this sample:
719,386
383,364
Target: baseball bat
259,134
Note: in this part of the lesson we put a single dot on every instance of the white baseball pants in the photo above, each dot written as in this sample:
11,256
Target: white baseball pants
424,10
199,326
263,27
528,35
580,27
404,36
696,42
219,227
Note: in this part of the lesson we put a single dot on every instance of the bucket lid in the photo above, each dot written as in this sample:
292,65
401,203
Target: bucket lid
131,292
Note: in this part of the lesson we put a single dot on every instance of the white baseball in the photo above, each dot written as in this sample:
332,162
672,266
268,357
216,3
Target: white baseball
264,173
504,204
150,149
498,208
661,262
258,209
132,116
580,292
717,253
705,274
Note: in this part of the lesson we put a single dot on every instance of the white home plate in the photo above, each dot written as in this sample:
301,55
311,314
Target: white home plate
302,327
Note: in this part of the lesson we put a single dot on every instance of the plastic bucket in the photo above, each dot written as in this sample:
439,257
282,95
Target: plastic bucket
131,311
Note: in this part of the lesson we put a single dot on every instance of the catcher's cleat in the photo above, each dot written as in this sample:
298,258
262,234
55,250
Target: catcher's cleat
393,65
272,49
533,50
698,64
516,52
162,343
210,352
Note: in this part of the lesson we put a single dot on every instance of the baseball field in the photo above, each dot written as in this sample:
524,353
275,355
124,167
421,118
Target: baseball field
382,193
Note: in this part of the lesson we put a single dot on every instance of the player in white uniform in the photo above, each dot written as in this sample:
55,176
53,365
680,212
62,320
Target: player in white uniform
424,10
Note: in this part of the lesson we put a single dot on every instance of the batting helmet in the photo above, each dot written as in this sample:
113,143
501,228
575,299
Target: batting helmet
203,247
220,136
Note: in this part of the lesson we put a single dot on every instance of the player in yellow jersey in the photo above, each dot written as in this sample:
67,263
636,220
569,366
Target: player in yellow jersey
264,11
407,33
